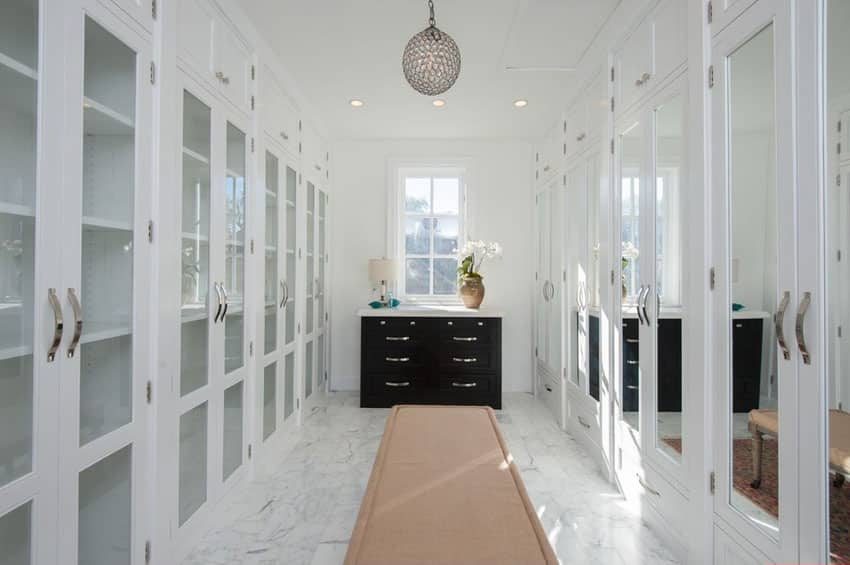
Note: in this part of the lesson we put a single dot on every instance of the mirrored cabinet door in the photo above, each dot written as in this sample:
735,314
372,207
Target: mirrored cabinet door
575,293
235,241
756,297
274,297
667,296
631,176
290,281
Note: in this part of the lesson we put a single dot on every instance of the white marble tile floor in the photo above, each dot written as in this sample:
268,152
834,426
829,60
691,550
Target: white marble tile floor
300,507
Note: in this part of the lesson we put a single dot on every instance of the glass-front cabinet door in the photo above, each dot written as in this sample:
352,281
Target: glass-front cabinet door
576,279
106,350
310,289
756,297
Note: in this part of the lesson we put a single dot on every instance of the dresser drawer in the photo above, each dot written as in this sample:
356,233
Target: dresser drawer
466,359
396,358
468,331
465,384
395,330
395,384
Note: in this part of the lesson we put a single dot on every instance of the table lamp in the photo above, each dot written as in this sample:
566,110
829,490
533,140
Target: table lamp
383,271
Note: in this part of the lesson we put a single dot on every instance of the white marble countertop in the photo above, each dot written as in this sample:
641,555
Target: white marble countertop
428,311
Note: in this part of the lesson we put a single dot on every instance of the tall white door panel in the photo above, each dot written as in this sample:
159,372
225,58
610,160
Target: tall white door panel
106,270
756,265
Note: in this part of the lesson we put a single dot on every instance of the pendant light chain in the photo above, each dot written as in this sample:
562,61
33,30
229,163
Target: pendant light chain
432,21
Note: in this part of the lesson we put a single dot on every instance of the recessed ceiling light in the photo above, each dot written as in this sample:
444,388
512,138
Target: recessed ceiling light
521,103
355,103
439,102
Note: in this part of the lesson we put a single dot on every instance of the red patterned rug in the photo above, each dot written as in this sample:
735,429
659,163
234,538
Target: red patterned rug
765,496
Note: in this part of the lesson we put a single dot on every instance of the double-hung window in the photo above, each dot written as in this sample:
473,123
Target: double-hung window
430,231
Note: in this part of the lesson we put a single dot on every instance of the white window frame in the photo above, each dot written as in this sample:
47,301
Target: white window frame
399,171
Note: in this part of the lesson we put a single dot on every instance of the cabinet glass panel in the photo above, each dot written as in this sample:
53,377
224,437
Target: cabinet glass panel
192,492
16,536
309,312
576,271
106,370
669,211
235,234
308,370
320,359
18,116
269,400
754,275
594,188
320,263
105,518
273,286
232,445
195,245
631,174
837,46
290,282
289,386
556,294
542,344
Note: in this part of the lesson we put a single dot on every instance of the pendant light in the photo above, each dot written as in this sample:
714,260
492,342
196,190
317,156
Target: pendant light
431,60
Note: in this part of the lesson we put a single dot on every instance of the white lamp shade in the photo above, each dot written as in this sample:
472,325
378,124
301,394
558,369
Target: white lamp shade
383,270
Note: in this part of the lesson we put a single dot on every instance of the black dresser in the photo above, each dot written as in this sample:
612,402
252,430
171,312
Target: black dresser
430,360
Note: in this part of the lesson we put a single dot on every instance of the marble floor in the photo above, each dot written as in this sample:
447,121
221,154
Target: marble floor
301,506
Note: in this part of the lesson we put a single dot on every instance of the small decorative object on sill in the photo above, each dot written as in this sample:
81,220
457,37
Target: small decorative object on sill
471,283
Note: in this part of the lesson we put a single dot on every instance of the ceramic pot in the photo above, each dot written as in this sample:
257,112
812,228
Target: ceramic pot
471,291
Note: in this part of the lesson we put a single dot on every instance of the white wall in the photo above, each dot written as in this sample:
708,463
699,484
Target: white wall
498,208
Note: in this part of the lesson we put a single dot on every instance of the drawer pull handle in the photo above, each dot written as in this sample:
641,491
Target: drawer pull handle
383,322
631,362
397,359
464,385
397,338
583,423
397,385
465,359
632,340
646,487
456,338
284,136
548,388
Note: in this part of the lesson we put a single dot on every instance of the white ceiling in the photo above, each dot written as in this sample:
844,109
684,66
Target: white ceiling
337,50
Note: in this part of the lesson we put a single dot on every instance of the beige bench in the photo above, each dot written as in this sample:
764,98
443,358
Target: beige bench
764,422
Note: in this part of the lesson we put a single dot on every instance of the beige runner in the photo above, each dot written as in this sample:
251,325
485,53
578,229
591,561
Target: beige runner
444,490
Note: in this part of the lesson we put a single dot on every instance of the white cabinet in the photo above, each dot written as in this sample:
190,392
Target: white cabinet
657,47
549,153
587,118
213,49
278,114
314,153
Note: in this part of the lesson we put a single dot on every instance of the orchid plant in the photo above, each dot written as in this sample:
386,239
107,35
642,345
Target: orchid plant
472,256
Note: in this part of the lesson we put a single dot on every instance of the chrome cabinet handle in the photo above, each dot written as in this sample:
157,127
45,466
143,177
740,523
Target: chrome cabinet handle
632,340
779,323
548,388
581,136
800,327
284,136
223,79
282,294
285,294
220,303
393,384
646,487
318,167
465,359
58,324
643,306
397,359
464,385
637,304
631,362
546,168
545,290
397,338
467,339
224,292
583,423
644,78
78,322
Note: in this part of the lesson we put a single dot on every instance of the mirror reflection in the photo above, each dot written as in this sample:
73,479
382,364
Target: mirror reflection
838,275
669,176
630,180
752,272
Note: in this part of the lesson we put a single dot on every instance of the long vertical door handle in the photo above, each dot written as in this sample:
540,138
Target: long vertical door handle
58,324
224,292
285,293
637,304
282,294
779,323
78,322
546,291
643,305
800,327
220,302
